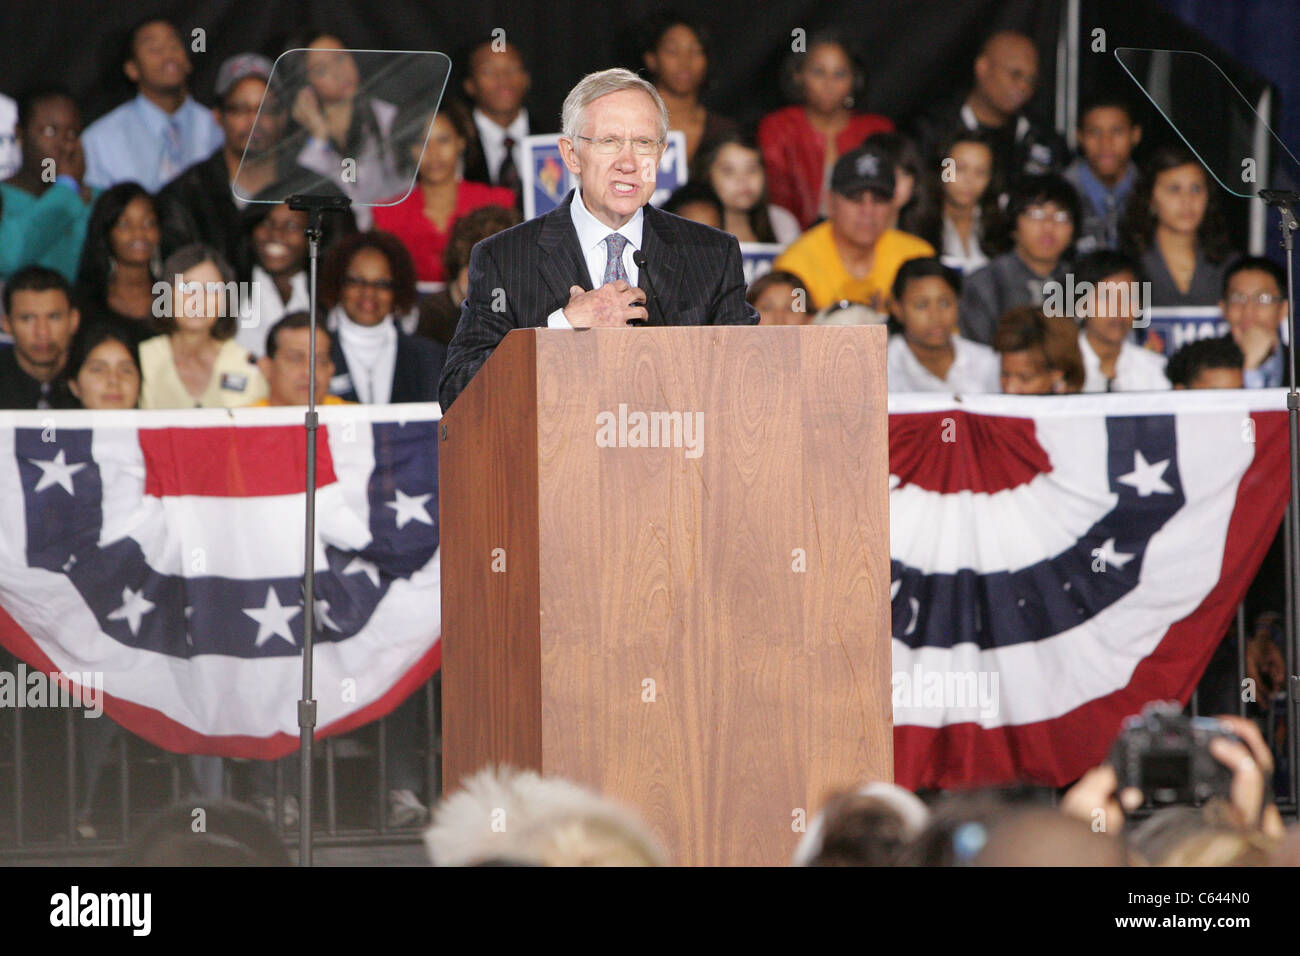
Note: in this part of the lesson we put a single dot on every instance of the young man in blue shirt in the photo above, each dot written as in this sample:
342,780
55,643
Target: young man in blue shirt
154,137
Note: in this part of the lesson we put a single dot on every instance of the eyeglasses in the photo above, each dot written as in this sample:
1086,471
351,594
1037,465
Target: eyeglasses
1039,214
379,285
611,145
1241,298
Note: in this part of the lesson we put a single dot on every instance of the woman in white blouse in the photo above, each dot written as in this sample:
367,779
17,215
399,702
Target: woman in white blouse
968,190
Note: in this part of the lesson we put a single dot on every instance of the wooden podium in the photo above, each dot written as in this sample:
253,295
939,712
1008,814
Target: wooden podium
699,630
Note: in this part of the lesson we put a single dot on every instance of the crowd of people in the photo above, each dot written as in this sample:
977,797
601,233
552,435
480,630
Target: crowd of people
93,219
957,229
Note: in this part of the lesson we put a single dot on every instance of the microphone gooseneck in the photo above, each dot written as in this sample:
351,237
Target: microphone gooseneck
638,257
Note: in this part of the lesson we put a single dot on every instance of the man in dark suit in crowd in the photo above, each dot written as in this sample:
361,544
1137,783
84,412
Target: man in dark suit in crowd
496,84
39,315
197,206
1006,76
576,267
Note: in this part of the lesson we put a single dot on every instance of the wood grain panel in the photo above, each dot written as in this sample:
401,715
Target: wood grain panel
487,484
771,686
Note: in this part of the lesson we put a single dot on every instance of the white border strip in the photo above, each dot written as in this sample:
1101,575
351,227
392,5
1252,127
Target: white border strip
220,417
1192,401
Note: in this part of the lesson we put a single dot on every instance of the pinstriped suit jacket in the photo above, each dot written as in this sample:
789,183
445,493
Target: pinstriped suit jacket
695,269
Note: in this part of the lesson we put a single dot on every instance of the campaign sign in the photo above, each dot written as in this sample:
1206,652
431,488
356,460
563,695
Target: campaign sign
546,181
1172,327
756,258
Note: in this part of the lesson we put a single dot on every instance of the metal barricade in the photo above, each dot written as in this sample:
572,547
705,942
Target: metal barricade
47,811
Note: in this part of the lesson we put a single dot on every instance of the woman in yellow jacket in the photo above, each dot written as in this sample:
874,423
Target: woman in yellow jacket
196,363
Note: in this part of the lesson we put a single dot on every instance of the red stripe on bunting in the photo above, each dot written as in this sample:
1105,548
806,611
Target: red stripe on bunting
1058,751
937,451
161,730
232,462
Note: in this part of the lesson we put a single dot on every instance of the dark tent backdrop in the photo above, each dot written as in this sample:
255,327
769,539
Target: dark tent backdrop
914,50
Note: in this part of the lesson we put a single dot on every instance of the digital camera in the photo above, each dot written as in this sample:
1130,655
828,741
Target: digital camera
1166,755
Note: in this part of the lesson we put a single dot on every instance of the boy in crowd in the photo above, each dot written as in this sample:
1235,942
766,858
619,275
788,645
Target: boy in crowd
696,201
151,139
1254,303
497,83
1105,173
1111,360
928,355
1040,353
40,317
1209,363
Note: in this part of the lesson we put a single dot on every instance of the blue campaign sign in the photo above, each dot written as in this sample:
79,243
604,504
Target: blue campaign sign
546,181
1172,327
756,258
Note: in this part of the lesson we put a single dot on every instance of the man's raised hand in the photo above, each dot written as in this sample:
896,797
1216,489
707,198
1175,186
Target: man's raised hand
613,304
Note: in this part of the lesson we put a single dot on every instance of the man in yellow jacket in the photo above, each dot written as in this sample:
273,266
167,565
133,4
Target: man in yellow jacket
854,255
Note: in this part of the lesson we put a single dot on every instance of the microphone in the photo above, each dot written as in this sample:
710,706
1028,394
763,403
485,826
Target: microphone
638,257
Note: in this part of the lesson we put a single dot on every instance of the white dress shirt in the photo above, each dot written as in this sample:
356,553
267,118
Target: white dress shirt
258,316
493,139
11,155
957,254
784,225
591,240
975,368
1136,370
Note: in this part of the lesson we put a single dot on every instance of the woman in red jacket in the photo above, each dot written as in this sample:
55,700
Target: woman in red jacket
424,219
801,143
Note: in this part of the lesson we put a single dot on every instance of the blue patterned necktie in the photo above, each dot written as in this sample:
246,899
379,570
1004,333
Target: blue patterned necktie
614,244
173,154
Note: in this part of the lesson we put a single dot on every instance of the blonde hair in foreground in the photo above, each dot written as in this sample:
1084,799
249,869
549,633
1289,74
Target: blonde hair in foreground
518,816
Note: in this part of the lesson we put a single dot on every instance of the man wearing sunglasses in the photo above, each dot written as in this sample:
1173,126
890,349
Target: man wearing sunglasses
577,266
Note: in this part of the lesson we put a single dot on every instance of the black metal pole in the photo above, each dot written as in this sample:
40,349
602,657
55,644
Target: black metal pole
1288,226
315,207
1285,203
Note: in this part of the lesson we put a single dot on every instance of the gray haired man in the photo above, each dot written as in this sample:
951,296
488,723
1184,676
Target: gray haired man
603,257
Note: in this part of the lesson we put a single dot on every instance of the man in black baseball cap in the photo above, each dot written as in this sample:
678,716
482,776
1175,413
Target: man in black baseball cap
854,254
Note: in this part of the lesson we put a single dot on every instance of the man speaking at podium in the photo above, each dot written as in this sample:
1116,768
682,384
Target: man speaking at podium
603,257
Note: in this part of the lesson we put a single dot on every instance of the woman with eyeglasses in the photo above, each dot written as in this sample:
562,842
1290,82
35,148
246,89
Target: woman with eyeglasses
424,220
196,363
1041,216
367,280
121,261
43,218
1174,226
